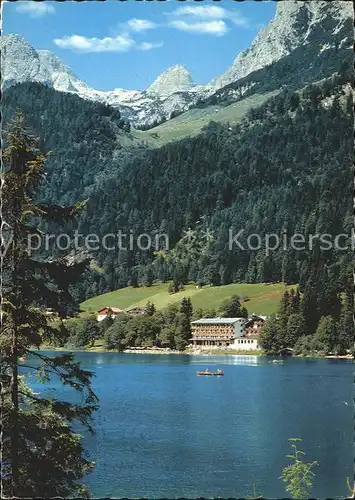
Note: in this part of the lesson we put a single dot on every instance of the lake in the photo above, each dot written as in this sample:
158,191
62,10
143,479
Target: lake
163,432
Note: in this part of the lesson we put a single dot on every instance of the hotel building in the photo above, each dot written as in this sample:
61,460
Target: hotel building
216,331
236,333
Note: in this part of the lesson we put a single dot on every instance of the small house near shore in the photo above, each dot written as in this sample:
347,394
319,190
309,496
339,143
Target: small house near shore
111,312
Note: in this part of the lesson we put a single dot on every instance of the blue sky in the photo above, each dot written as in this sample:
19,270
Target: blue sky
127,44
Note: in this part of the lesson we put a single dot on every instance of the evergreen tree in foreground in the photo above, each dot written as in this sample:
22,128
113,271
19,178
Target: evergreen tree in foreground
42,456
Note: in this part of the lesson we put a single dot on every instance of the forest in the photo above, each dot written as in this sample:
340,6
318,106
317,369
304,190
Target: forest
287,168
257,176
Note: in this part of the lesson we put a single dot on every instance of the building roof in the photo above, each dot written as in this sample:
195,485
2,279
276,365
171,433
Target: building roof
112,309
211,321
256,316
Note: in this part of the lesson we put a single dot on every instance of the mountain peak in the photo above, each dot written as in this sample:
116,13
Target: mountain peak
13,37
62,77
322,7
20,61
174,79
295,23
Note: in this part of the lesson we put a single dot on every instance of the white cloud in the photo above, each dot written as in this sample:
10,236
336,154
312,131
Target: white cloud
149,45
204,11
119,43
217,28
35,9
199,19
141,24
211,12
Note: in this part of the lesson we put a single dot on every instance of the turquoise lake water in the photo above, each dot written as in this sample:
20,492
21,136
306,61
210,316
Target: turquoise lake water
163,432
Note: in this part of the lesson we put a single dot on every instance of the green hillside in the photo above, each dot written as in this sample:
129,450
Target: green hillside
191,122
261,298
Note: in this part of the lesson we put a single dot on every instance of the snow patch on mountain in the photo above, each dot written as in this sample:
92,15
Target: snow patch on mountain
296,23
172,91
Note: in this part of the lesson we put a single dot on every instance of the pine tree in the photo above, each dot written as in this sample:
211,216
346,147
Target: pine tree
186,307
345,338
295,301
284,308
296,327
326,333
186,311
37,429
309,308
150,308
329,303
233,309
270,333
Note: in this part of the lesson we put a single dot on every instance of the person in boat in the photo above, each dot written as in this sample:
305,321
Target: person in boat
219,371
206,371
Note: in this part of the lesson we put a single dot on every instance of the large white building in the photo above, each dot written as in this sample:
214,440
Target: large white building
236,333
216,331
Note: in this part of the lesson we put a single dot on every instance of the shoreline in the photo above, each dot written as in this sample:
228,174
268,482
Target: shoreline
188,352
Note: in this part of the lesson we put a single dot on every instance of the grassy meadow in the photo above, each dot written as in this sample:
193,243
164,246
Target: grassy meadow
192,121
258,298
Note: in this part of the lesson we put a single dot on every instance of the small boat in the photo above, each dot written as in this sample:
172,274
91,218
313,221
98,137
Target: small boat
217,373
277,361
22,358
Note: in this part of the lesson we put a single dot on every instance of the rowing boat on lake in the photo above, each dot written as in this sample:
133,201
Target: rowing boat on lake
217,373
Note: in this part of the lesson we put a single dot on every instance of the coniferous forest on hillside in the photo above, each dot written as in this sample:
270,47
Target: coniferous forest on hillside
287,168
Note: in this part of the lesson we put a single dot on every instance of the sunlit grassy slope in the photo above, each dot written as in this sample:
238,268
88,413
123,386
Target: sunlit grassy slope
191,122
262,298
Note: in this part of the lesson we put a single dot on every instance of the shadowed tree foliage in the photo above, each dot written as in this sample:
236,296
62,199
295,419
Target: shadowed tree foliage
232,308
42,455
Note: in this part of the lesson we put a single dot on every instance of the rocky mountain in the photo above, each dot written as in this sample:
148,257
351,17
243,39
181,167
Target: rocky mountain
300,30
296,23
173,90
60,75
174,79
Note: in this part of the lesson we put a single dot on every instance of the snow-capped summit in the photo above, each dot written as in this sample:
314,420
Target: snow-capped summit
170,92
320,24
20,62
174,79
